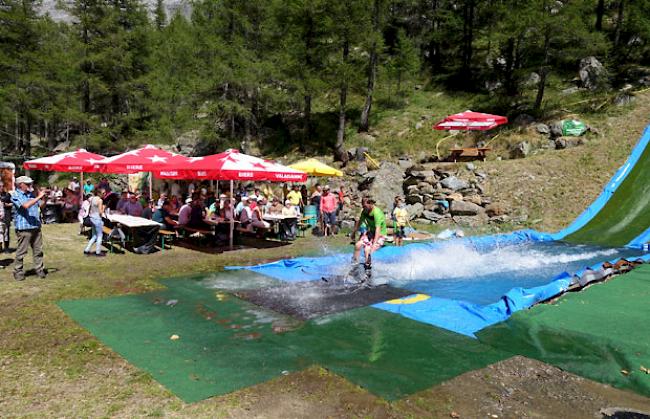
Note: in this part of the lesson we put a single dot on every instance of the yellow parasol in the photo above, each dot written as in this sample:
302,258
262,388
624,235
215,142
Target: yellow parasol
314,167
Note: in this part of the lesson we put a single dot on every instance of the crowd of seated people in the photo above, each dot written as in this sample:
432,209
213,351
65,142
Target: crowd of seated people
197,207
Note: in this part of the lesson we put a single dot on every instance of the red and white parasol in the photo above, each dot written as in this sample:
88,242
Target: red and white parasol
471,121
146,159
74,161
231,165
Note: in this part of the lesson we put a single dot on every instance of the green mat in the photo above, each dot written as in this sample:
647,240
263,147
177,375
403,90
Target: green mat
626,215
595,333
225,344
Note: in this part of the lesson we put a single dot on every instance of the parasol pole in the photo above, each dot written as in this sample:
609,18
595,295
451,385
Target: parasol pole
150,185
232,218
81,188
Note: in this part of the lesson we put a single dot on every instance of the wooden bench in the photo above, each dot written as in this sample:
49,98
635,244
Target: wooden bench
304,225
166,235
108,239
468,154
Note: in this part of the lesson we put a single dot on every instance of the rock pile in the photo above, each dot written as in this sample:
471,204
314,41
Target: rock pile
441,194
435,193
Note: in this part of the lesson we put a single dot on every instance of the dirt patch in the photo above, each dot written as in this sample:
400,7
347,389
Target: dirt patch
518,388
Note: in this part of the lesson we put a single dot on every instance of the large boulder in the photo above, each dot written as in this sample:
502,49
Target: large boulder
521,150
405,163
415,210
464,208
523,120
623,98
414,199
431,215
426,188
474,199
454,197
532,80
454,183
496,210
556,129
592,73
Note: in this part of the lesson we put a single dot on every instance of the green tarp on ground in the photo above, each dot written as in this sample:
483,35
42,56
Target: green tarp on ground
627,213
226,344
596,333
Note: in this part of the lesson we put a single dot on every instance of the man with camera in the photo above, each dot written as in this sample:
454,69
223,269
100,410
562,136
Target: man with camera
27,221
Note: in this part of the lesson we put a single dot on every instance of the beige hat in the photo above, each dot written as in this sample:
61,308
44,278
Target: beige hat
24,179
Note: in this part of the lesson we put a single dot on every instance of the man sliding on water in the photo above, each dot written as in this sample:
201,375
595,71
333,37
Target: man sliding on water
373,218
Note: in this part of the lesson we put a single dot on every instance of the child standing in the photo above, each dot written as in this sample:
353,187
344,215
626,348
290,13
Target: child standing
401,217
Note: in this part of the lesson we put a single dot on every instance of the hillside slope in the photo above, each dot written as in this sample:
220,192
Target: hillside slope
555,186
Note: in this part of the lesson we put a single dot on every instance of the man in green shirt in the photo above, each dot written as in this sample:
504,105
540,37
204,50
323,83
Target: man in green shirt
373,218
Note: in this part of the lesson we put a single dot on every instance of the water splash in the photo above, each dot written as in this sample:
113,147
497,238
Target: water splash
456,260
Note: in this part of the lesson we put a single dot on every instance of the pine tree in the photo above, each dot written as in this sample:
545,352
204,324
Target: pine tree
20,76
348,25
160,16
113,38
405,61
375,45
302,55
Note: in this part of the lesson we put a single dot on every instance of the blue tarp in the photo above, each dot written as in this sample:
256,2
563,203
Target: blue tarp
467,318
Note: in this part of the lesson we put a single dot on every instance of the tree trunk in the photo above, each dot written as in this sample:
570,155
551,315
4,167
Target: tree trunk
17,139
339,149
435,58
619,23
85,104
399,82
364,124
245,143
508,77
307,122
468,38
27,137
600,11
543,72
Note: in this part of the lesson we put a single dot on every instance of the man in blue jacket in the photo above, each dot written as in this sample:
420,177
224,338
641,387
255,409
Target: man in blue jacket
27,221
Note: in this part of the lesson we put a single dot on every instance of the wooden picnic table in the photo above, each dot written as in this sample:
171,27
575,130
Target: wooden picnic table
468,153
131,221
278,217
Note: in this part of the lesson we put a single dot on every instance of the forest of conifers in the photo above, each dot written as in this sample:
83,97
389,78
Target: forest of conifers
120,72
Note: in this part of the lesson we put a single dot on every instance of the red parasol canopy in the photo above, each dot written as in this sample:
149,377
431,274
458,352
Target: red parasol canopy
231,165
75,161
471,121
146,159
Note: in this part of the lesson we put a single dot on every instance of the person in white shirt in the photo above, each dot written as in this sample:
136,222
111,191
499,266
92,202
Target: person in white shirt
185,212
74,184
289,225
175,189
240,206
161,200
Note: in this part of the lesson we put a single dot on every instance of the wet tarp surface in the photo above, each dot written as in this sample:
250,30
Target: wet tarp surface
602,332
311,299
626,214
225,344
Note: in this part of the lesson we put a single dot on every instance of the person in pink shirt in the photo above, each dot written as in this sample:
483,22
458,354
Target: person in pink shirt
328,205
